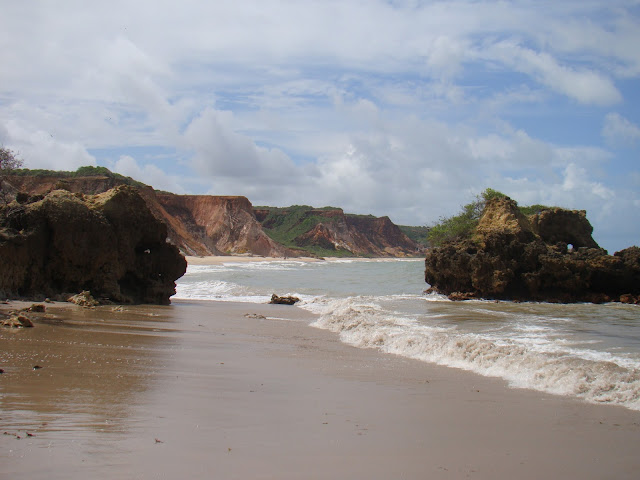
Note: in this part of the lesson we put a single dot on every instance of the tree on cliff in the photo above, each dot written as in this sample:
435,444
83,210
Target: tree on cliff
9,161
461,225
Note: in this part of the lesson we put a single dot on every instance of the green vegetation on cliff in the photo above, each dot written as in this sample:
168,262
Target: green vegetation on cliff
285,224
462,225
417,234
87,171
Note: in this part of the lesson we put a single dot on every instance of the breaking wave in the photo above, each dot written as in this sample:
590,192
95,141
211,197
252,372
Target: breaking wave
535,359
586,351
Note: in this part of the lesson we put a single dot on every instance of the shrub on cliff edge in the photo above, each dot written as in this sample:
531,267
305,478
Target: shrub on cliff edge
461,225
9,161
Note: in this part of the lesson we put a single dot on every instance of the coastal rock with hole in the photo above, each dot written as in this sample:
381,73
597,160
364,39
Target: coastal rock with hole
514,257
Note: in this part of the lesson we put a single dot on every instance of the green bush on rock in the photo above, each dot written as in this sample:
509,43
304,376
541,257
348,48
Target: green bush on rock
461,226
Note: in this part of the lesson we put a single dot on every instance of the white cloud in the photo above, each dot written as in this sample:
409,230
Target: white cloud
576,180
446,55
610,37
585,86
41,149
617,130
148,174
220,151
511,150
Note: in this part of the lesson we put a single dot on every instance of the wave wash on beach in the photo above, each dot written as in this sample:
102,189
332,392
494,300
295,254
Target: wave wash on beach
587,351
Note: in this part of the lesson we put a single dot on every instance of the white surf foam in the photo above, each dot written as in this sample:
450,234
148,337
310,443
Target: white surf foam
206,289
528,362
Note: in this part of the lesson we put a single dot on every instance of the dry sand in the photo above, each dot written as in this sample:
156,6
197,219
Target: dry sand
199,390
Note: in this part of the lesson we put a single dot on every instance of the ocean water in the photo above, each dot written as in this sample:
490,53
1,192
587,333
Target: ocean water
582,350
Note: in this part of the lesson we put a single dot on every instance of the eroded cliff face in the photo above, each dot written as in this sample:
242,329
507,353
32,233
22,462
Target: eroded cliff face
110,244
221,224
331,230
361,236
197,224
528,258
385,236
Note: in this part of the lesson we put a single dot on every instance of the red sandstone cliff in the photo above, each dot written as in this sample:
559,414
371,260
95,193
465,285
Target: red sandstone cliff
196,224
384,235
330,230
219,225
223,225
367,236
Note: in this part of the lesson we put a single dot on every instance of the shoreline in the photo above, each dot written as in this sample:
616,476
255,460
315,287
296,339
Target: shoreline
222,259
252,391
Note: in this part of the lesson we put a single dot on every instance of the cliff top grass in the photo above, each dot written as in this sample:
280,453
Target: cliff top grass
87,171
418,234
285,224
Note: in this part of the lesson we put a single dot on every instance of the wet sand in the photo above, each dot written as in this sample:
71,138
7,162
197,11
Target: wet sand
199,390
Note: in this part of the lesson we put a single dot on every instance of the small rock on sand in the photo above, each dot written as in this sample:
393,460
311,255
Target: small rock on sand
288,300
84,299
18,321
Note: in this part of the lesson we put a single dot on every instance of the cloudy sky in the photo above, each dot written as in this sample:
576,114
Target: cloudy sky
400,108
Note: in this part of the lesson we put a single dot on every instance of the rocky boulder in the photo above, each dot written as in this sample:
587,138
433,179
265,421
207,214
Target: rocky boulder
287,300
109,244
514,257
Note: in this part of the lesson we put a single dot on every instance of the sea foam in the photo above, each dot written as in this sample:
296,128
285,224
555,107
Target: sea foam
586,351
528,362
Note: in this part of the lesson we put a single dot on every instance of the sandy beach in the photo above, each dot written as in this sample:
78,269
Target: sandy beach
222,259
214,390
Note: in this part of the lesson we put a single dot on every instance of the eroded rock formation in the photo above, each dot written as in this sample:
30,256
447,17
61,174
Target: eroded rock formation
110,244
547,257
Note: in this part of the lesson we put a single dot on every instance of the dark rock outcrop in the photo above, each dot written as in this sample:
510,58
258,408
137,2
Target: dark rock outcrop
288,300
109,244
514,257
